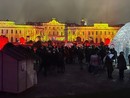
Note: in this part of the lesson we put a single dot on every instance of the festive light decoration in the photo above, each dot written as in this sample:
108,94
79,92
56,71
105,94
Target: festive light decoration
57,31
121,41
3,41
22,40
107,41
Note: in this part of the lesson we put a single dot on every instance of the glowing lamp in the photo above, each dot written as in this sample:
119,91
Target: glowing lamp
22,40
3,41
107,41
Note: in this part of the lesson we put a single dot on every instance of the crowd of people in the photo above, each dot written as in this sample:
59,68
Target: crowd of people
96,58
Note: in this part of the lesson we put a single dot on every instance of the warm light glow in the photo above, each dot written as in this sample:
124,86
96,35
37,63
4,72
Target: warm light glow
3,41
54,30
107,41
22,40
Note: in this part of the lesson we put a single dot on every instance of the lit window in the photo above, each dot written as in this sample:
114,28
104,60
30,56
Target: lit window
7,31
20,31
92,33
11,31
11,39
2,31
96,32
105,32
100,32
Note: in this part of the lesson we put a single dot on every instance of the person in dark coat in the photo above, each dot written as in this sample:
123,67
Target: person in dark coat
109,65
121,65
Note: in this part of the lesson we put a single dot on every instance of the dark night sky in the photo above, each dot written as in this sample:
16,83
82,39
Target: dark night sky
21,11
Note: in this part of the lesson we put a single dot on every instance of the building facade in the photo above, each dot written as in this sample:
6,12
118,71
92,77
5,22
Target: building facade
98,33
56,31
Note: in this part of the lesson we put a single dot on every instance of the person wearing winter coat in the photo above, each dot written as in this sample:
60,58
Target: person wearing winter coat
121,65
108,63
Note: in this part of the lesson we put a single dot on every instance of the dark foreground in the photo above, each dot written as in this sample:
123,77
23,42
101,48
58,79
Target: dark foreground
76,83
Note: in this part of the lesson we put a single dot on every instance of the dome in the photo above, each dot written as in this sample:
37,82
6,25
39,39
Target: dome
121,41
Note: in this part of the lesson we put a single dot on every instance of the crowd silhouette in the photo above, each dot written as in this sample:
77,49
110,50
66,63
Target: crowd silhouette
96,58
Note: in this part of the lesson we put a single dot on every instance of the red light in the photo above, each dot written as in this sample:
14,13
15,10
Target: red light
22,40
87,44
107,41
3,41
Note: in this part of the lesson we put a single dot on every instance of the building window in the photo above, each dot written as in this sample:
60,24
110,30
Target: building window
6,31
96,32
12,31
20,31
92,33
105,32
2,31
108,33
11,39
100,32
83,33
16,31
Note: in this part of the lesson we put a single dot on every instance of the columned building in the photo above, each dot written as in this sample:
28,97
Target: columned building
56,31
99,32
15,32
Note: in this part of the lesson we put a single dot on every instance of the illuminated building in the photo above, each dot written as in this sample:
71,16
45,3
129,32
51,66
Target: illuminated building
98,33
54,30
15,32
